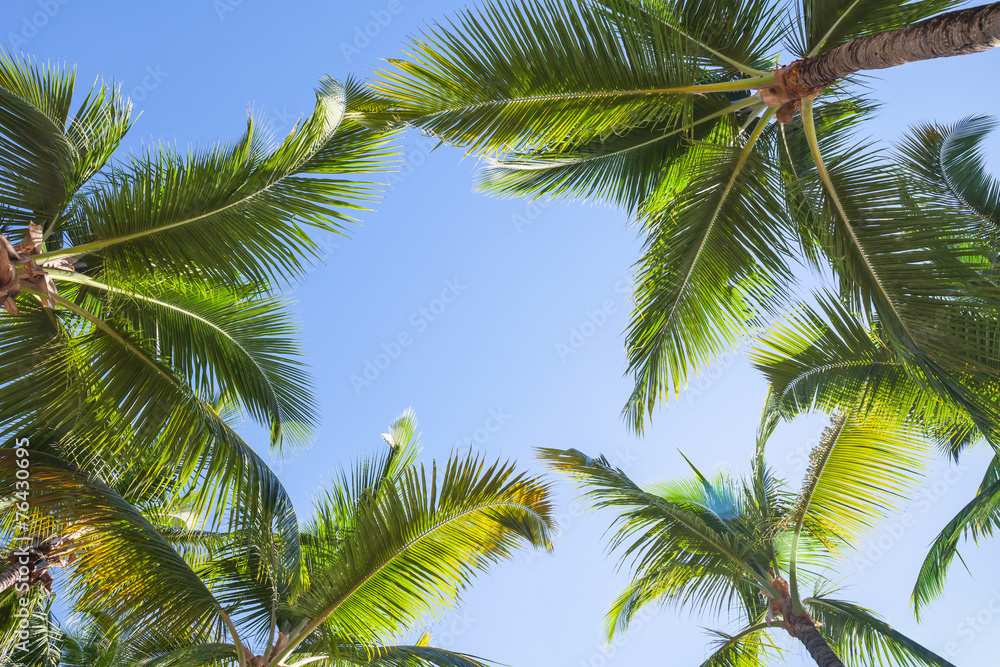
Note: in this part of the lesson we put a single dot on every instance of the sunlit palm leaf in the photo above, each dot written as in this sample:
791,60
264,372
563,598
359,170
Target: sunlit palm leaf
409,552
527,75
861,638
713,264
105,530
825,24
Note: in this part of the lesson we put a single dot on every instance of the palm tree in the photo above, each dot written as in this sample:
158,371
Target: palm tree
136,289
824,357
664,107
389,543
748,548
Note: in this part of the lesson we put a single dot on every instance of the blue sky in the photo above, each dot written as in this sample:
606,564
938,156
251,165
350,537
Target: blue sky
489,294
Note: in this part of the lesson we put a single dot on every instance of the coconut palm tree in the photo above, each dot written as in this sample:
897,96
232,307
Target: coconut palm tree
748,549
389,543
664,107
136,288
824,357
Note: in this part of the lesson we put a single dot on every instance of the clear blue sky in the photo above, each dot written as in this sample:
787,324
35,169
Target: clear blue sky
517,291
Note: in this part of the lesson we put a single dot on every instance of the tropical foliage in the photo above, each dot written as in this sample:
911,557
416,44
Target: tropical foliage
651,105
826,357
390,543
749,549
140,290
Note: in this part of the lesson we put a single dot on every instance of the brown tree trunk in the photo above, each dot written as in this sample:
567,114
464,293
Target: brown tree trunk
815,643
956,33
8,578
953,34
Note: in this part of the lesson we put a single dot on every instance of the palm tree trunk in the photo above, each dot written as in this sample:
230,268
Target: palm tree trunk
8,578
815,643
956,33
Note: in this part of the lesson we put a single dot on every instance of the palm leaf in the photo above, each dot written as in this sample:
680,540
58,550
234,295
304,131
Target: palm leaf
825,24
169,211
748,648
410,551
517,76
862,638
107,530
714,261
977,519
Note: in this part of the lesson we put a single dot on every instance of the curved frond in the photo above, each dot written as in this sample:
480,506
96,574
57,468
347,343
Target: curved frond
977,519
408,552
949,160
750,647
170,211
520,76
693,542
714,262
103,529
861,638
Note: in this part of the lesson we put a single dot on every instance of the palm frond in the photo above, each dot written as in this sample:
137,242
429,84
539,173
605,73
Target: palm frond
978,518
103,529
409,551
687,542
861,638
949,160
519,76
748,648
169,211
714,261
858,474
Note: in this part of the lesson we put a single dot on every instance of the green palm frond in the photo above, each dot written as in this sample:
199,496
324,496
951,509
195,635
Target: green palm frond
47,154
516,76
694,543
169,211
822,357
204,655
329,652
861,638
730,36
750,647
858,474
949,161
978,519
625,166
714,263
411,550
916,266
234,342
42,642
103,529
